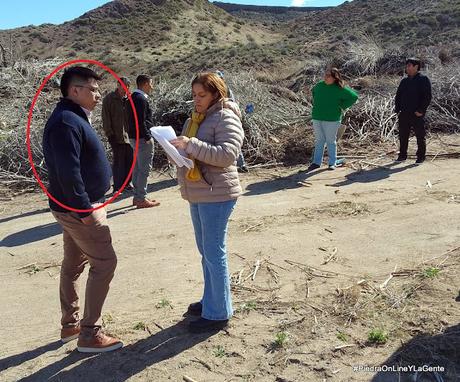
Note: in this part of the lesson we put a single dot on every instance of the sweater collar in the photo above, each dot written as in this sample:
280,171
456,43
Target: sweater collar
88,113
68,104
141,92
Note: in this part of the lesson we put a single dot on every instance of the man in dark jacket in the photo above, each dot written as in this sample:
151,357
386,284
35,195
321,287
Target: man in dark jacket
143,165
115,125
412,99
79,176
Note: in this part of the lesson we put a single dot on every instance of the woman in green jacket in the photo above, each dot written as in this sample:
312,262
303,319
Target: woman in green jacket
330,98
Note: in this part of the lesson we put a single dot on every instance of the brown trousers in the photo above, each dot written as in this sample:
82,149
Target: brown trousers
85,244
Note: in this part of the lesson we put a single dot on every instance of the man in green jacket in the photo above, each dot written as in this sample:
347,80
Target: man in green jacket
115,125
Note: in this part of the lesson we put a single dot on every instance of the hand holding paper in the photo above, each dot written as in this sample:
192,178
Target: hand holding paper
180,143
164,134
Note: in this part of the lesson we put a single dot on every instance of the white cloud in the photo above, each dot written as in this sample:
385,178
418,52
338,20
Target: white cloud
298,3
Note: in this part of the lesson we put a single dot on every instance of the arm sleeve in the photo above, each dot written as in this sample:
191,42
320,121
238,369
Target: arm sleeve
106,119
228,140
141,109
147,120
349,98
425,98
398,99
66,144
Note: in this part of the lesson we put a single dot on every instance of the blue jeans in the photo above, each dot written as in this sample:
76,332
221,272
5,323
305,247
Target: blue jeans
142,167
210,222
325,133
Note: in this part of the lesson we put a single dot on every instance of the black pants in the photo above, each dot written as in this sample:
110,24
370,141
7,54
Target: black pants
406,122
122,160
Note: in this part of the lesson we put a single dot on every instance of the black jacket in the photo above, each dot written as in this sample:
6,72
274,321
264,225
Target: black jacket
413,94
78,170
144,117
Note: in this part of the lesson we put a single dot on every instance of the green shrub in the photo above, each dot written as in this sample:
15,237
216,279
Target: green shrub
377,336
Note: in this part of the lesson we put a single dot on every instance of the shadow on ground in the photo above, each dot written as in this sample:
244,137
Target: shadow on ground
440,352
373,175
280,183
46,231
119,365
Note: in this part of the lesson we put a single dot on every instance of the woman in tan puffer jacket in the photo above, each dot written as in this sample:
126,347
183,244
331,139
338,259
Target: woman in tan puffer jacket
212,138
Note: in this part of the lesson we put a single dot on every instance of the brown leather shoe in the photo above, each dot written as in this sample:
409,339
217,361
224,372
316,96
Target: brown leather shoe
146,203
93,340
70,333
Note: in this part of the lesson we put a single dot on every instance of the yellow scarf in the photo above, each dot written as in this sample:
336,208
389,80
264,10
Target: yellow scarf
194,173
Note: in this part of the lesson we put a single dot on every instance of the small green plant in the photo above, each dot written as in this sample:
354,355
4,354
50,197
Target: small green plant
248,306
139,326
431,272
342,336
164,303
280,339
377,336
219,352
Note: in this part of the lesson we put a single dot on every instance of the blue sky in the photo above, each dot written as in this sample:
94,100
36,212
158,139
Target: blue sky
18,13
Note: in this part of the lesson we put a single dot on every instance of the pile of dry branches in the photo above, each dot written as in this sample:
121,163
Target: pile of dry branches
277,131
278,122
278,112
444,112
18,84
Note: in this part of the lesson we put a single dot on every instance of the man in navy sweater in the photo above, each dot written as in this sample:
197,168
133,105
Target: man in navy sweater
143,165
79,176
412,99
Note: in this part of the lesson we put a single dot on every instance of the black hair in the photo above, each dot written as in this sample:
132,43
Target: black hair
142,79
76,73
414,61
125,80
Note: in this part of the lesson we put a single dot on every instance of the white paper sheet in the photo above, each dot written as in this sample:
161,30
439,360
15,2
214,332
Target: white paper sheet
163,134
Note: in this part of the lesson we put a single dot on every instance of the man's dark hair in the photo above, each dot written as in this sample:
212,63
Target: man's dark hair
76,74
414,61
125,80
142,79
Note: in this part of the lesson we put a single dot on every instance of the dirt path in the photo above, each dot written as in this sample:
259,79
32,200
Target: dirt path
324,247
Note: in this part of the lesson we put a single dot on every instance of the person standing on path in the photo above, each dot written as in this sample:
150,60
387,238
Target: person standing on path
330,98
212,138
411,102
79,176
115,126
143,165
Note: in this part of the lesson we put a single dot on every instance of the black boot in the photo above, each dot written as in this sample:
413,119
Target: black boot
195,308
203,325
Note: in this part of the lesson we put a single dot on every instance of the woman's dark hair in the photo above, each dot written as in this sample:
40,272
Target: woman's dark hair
338,80
212,83
76,74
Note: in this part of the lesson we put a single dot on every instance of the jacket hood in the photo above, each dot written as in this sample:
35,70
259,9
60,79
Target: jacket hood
225,104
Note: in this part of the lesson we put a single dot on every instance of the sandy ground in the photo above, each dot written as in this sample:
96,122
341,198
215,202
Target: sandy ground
325,246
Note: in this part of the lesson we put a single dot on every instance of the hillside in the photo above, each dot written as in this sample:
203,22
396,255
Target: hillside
416,23
139,34
178,36
265,13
